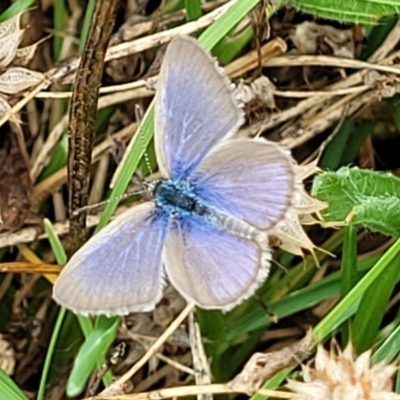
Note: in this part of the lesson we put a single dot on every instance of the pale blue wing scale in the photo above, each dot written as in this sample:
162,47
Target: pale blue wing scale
211,267
119,270
252,180
194,108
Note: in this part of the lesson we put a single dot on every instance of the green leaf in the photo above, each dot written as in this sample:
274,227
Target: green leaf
16,8
8,389
92,353
372,198
357,11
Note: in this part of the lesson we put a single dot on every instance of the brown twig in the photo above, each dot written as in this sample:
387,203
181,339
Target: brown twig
83,115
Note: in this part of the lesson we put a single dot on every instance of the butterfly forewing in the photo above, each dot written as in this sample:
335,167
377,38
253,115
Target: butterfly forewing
210,266
194,108
118,270
252,180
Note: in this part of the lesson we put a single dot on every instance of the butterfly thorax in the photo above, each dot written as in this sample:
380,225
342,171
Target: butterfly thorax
178,199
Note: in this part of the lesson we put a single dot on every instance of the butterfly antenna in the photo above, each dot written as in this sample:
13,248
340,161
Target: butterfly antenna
139,117
104,202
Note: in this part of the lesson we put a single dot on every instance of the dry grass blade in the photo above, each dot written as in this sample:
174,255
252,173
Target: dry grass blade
200,364
117,387
185,391
20,267
263,366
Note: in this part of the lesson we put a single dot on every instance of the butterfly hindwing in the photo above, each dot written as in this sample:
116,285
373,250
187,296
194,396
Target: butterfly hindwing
210,266
252,180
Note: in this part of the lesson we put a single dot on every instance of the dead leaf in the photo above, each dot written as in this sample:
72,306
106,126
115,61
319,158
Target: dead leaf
312,38
15,184
263,366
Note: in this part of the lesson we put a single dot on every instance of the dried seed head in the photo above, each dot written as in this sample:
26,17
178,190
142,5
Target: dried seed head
17,79
10,26
289,231
339,375
7,356
8,47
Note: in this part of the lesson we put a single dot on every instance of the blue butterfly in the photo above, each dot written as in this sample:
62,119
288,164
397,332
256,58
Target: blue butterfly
206,228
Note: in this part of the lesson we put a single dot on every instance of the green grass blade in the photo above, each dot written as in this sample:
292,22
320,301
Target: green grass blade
59,19
17,7
50,352
333,153
81,365
349,261
92,353
350,275
372,307
211,36
55,243
389,350
228,48
8,389
193,9
86,23
61,258
349,304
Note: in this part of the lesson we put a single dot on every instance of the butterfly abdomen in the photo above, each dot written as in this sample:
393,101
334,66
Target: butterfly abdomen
178,200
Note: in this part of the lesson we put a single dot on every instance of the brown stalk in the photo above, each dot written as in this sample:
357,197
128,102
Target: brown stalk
82,116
